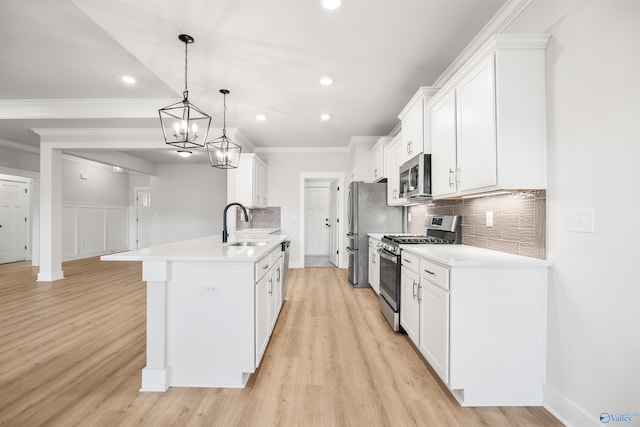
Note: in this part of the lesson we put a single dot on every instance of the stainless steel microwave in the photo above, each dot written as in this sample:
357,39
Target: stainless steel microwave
415,177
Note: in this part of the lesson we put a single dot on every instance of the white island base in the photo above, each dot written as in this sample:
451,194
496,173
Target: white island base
207,320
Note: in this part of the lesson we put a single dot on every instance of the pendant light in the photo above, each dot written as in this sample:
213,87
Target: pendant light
183,124
223,153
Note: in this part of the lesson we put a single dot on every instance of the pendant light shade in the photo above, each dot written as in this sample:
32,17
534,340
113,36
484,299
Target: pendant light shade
223,153
183,124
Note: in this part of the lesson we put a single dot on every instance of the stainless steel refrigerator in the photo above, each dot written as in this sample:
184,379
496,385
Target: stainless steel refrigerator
367,212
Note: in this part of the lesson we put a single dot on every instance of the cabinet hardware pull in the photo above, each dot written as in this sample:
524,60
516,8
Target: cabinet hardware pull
270,286
264,267
414,289
458,176
407,261
450,180
430,272
419,292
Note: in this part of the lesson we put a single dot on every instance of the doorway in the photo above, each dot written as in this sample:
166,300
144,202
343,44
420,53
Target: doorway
321,230
143,216
14,221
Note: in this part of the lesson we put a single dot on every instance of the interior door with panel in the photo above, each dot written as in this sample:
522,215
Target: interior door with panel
13,221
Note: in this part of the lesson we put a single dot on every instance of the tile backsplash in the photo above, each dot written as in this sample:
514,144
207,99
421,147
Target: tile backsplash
519,224
268,217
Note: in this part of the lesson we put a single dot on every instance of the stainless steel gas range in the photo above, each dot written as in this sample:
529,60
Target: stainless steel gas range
440,229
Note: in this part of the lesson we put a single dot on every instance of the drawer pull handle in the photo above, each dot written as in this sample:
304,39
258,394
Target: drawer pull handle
430,272
407,261
265,266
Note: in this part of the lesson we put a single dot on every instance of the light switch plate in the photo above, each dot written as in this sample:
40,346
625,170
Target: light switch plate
580,220
489,218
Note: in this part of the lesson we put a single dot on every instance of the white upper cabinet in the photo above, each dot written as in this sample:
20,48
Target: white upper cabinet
487,124
248,183
415,125
378,159
392,155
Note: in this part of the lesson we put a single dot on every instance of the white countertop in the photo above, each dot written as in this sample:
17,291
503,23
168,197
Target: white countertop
208,248
258,231
471,256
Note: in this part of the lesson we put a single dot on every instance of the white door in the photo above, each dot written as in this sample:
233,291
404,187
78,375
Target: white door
333,222
317,221
13,221
143,215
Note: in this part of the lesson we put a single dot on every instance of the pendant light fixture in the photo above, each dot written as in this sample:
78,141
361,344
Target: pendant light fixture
223,153
183,124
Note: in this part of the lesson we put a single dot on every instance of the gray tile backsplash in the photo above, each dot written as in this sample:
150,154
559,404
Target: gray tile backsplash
519,224
268,217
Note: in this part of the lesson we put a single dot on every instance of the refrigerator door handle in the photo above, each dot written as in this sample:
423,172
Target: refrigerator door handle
351,251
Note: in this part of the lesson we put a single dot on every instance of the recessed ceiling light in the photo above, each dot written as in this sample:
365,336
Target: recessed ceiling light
184,153
326,81
324,117
261,117
128,80
331,4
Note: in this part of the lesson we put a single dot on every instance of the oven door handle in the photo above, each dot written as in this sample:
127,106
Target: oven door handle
385,255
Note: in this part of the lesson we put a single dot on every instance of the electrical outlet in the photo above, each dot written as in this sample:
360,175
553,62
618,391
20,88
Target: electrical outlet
489,219
580,220
211,290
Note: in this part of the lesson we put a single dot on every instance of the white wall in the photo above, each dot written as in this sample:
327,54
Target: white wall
19,159
284,171
593,89
187,201
103,186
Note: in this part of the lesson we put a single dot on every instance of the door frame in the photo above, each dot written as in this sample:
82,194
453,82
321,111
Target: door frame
31,253
133,224
339,177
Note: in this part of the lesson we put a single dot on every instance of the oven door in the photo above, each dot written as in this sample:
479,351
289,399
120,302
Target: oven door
390,279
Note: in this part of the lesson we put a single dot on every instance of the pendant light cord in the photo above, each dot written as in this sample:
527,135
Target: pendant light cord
186,44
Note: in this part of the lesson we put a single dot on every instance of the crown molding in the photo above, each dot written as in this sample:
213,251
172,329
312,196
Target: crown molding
108,108
18,146
296,150
500,21
424,93
98,131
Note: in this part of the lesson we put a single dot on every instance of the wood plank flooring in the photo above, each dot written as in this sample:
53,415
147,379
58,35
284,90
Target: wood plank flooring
71,352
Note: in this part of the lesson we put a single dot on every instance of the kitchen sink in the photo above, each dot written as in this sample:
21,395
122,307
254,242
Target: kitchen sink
248,243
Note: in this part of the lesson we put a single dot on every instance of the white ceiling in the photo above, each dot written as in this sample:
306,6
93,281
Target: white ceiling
269,53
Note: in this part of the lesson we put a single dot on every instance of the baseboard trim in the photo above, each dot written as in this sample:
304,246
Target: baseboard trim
568,412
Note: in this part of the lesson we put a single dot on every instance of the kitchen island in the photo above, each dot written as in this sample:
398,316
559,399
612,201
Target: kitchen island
211,307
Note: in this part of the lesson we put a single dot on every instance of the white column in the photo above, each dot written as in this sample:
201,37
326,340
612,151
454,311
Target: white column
50,214
155,374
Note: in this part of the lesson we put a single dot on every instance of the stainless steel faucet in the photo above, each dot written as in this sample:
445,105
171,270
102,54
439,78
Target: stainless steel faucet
225,235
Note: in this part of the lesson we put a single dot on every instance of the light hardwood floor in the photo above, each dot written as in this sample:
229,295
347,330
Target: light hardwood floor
71,352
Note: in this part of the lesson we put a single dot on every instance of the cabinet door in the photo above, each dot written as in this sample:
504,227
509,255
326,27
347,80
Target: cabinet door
377,160
271,296
412,133
278,285
374,269
443,146
409,304
262,317
434,328
392,156
476,125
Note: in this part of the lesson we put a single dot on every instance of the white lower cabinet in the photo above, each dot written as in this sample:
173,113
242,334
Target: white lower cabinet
374,265
409,302
481,327
434,328
268,299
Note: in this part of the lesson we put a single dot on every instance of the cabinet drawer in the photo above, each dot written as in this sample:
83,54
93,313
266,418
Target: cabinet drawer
434,273
411,262
262,266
